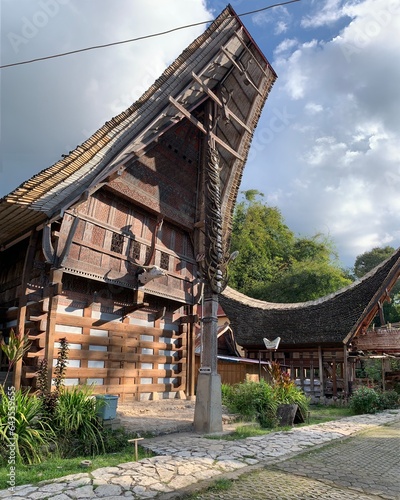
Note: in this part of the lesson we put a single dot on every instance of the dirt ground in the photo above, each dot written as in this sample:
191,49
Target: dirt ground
163,416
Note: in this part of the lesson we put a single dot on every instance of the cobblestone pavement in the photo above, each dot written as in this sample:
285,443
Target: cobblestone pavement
187,460
363,467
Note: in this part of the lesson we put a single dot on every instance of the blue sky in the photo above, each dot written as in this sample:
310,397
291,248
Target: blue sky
326,151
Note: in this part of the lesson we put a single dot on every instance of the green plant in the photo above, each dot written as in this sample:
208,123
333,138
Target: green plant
364,400
373,369
61,365
388,400
226,394
23,434
285,390
117,440
76,422
252,401
50,398
15,348
394,365
54,466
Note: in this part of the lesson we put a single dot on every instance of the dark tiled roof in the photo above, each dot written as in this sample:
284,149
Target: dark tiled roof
333,319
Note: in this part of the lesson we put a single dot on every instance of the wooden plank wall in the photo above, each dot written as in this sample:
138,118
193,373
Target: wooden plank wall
233,372
127,356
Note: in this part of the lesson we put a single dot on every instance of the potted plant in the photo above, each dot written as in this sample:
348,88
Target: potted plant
290,399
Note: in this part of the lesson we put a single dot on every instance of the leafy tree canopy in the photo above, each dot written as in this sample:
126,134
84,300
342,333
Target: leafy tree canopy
368,260
275,265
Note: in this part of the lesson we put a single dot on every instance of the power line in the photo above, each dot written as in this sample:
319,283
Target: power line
94,47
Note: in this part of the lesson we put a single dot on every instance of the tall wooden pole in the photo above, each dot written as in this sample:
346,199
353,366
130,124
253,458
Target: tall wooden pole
208,409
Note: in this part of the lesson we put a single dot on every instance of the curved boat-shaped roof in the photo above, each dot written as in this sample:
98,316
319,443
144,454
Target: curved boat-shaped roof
332,319
223,64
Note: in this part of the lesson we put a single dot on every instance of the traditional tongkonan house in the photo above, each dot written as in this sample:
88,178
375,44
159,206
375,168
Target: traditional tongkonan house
108,246
320,340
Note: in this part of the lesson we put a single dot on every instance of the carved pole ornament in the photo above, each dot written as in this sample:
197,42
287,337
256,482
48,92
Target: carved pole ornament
216,259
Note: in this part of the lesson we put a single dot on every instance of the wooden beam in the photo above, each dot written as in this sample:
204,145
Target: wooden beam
112,326
241,70
221,104
201,127
191,318
188,115
250,53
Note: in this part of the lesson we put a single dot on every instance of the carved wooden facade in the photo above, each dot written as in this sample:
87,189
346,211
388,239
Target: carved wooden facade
105,246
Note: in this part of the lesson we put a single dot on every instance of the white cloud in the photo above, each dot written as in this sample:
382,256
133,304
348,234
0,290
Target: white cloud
285,45
281,27
71,97
339,157
326,150
313,108
328,14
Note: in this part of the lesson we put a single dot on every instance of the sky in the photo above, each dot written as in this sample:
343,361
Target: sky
326,151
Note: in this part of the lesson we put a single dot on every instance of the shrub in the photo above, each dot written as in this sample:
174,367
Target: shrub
21,427
364,400
252,401
388,400
117,440
227,394
76,423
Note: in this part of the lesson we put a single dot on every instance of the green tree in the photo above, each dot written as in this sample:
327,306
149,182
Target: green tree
263,241
369,260
273,264
302,282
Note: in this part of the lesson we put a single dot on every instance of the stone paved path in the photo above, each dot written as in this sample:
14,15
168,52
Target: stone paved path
363,467
187,459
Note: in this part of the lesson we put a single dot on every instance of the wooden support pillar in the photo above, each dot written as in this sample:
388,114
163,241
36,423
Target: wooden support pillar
381,315
87,313
334,379
301,370
124,349
208,409
50,329
346,372
20,327
312,389
55,291
20,330
321,372
183,331
191,361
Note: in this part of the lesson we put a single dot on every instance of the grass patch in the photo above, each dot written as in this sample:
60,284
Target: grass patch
317,414
55,466
323,413
219,485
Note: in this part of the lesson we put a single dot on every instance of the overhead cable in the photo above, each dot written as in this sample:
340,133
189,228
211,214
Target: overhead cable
160,33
